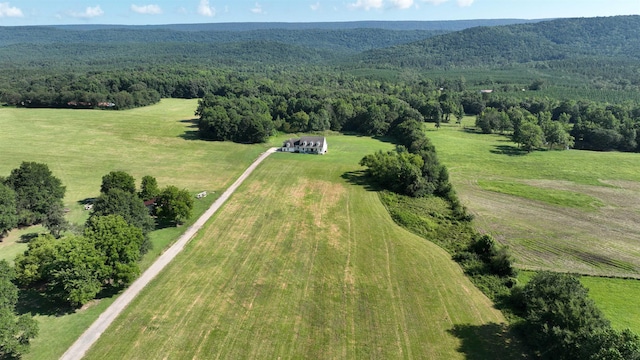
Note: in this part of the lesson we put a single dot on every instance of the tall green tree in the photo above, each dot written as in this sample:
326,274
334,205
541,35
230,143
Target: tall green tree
15,331
529,136
174,205
75,275
564,323
148,188
119,243
126,204
8,210
55,221
556,134
34,265
118,180
37,191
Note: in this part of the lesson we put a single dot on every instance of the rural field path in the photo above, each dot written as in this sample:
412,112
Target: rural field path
91,335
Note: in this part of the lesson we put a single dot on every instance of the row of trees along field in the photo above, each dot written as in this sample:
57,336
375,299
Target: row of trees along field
317,100
252,111
582,125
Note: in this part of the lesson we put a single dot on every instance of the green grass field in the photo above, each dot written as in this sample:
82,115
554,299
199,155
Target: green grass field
80,146
618,299
573,211
304,262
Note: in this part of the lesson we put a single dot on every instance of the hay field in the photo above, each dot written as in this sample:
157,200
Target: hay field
303,263
572,211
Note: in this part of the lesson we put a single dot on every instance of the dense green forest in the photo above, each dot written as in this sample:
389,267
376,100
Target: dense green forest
604,49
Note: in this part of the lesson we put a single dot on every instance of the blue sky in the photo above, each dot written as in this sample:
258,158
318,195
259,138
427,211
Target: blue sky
142,12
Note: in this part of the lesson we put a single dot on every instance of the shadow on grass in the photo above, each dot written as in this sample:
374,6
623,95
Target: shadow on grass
32,301
488,341
472,130
508,150
87,201
360,178
26,238
191,134
35,301
164,224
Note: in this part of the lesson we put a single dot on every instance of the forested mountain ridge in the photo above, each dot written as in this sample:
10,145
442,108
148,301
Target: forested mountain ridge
441,25
355,40
562,39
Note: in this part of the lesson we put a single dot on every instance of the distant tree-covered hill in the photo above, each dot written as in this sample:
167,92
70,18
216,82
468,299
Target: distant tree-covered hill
563,39
443,25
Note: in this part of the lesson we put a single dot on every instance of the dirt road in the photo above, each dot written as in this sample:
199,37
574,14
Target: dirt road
91,335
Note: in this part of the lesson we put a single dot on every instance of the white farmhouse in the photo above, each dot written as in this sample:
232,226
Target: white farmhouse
306,145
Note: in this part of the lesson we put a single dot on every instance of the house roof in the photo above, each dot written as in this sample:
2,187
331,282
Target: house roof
317,140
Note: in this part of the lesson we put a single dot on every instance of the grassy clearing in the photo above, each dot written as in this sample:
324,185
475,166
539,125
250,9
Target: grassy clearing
303,262
80,146
572,211
618,299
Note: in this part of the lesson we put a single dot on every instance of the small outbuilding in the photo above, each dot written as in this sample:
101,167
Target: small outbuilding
306,145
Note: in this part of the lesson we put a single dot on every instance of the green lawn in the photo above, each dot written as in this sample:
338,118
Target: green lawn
304,262
80,146
574,211
618,299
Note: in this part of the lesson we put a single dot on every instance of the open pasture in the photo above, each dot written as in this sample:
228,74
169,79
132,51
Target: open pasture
573,211
304,262
80,146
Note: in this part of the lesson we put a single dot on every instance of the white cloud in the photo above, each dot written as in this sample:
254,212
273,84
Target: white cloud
435,2
465,3
366,4
205,9
89,12
9,11
315,7
257,9
461,3
402,4
147,9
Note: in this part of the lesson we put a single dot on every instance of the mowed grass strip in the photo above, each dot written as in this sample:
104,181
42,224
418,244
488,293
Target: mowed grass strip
302,263
80,146
551,196
570,211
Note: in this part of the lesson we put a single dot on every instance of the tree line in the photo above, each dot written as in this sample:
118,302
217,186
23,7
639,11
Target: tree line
580,125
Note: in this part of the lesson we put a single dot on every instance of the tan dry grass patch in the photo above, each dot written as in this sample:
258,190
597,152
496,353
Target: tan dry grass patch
547,237
331,194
